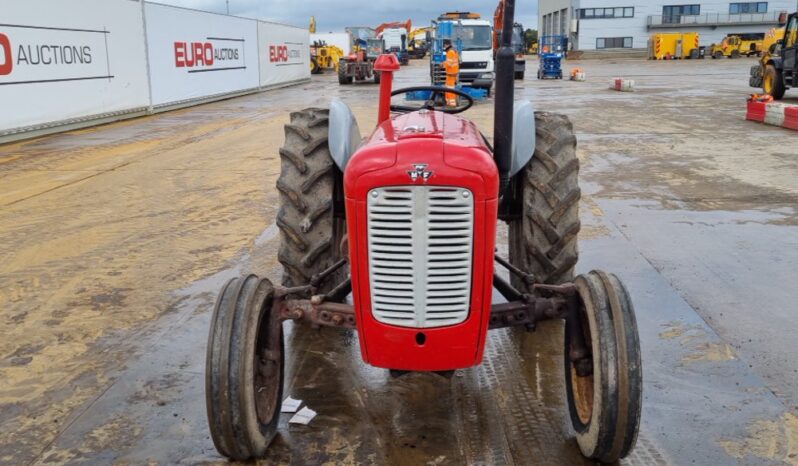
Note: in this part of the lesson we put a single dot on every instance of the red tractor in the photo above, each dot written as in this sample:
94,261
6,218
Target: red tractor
405,221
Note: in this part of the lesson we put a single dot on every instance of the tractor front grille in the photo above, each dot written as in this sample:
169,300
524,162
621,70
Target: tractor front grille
420,241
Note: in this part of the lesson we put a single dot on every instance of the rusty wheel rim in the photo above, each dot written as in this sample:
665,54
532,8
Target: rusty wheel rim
268,359
582,388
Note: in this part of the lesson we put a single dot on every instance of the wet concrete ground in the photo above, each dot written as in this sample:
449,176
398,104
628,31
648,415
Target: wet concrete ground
115,241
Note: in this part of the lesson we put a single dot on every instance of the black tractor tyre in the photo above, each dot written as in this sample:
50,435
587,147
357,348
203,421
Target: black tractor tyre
717,55
343,78
244,371
605,402
310,235
773,76
543,240
735,54
314,66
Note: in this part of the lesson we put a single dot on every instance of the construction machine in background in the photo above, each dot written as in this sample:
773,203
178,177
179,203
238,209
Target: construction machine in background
517,42
418,42
675,46
324,57
735,46
772,37
359,65
396,36
552,52
777,71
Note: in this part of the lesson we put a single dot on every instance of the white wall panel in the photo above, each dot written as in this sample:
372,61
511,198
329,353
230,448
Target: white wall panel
70,59
194,54
284,54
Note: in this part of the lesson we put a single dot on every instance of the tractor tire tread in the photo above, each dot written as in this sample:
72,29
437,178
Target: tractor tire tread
543,241
305,218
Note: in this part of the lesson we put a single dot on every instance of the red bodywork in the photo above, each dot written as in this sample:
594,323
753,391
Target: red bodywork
455,152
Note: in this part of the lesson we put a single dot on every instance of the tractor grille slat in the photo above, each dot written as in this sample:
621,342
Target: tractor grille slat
420,241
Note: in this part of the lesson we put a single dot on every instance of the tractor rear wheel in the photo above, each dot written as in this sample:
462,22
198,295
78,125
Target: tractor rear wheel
773,83
310,234
244,369
543,240
605,398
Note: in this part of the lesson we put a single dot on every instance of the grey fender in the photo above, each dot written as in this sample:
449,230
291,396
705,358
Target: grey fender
523,146
344,137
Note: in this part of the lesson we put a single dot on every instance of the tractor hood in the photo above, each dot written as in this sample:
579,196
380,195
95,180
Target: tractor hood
442,136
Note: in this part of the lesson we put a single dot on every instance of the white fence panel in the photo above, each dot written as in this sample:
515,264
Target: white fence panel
194,54
66,60
284,54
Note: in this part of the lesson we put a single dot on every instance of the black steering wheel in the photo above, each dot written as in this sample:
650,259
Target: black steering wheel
436,101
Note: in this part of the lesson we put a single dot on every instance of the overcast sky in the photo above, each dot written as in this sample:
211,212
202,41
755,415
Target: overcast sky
334,15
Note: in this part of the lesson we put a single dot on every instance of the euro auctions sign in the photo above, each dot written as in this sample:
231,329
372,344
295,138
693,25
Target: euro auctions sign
31,54
211,54
286,54
7,64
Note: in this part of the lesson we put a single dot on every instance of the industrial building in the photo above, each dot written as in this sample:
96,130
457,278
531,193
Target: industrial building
615,25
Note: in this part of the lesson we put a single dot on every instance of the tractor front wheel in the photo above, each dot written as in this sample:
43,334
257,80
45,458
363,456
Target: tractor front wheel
244,369
314,66
543,240
309,183
604,395
343,77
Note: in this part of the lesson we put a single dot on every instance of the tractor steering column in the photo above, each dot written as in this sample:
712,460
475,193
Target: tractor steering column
503,113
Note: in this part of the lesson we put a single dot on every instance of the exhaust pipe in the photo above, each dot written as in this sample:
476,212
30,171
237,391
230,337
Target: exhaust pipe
503,112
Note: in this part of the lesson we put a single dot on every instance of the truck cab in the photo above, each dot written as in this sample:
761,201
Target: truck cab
473,37
476,58
396,43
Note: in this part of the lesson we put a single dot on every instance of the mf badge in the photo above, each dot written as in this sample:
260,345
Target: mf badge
419,172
